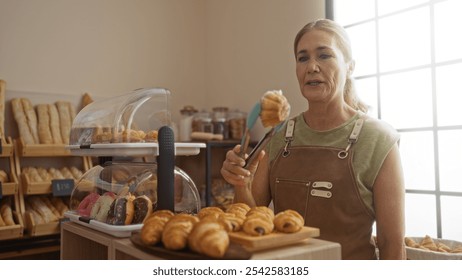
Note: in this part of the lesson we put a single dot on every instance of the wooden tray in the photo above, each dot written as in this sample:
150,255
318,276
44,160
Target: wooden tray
272,240
235,251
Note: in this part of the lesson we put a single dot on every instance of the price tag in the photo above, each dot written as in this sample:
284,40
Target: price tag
62,187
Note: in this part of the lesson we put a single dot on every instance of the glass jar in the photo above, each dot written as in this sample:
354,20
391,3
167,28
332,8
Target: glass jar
220,122
185,127
236,120
202,122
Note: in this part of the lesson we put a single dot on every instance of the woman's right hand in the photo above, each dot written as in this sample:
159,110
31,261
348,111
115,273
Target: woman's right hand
233,171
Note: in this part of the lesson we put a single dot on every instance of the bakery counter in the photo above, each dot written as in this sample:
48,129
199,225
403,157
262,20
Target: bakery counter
83,243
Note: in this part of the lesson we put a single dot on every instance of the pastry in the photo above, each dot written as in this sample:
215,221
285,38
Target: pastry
410,242
239,209
211,210
151,136
274,108
288,221
153,227
263,210
143,208
100,209
121,211
229,221
85,206
457,249
428,243
176,231
209,238
259,221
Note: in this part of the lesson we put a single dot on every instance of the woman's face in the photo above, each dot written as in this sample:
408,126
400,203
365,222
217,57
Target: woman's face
321,67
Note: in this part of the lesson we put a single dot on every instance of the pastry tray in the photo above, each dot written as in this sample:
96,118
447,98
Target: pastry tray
117,231
234,252
133,149
272,240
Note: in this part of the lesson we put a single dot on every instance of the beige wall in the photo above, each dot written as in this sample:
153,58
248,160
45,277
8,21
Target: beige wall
207,52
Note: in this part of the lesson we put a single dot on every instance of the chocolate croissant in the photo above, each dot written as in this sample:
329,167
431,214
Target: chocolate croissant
288,221
259,221
209,238
211,210
229,221
177,230
239,209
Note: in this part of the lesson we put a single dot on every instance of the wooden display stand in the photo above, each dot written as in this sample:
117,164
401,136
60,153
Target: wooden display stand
82,243
11,189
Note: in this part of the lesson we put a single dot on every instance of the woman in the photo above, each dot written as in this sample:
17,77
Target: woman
338,168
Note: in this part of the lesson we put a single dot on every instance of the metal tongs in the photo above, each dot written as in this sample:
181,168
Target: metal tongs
262,144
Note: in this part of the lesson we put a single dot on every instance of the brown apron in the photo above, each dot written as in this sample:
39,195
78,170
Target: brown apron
320,184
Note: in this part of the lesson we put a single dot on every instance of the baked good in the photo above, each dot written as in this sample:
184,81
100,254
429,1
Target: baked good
100,209
66,172
274,108
21,120
3,176
230,222
288,221
59,205
177,230
32,174
427,242
239,209
6,214
457,249
153,227
143,208
56,173
259,221
86,99
43,119
50,206
31,117
65,119
54,124
76,173
209,238
42,209
211,210
121,211
151,136
85,206
411,242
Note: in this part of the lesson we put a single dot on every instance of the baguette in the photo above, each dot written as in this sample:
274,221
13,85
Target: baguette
7,213
54,124
65,119
21,121
38,205
31,117
44,131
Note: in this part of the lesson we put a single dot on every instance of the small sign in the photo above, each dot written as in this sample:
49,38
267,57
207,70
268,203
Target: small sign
62,187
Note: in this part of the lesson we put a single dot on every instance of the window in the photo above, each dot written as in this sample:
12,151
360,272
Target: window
408,68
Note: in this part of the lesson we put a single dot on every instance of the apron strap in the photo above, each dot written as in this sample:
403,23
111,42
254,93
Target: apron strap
353,138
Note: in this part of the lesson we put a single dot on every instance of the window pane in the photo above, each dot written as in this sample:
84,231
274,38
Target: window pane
451,211
389,6
364,48
399,94
450,152
404,40
420,220
367,92
448,43
351,11
449,94
416,149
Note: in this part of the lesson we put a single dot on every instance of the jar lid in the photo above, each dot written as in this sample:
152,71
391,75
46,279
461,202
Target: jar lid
188,109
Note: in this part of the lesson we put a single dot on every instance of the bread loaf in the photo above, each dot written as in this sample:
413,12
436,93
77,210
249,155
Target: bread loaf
44,131
41,208
6,213
86,99
3,176
21,120
65,119
54,124
31,117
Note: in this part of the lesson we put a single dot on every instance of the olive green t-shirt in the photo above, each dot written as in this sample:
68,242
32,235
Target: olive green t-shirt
374,143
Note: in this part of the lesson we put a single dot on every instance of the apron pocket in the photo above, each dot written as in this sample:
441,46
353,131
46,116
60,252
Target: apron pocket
288,189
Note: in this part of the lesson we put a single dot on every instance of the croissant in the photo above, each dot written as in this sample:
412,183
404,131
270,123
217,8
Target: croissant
239,209
211,210
441,247
257,225
229,221
274,108
176,231
288,221
209,238
457,249
410,242
151,232
261,210
428,243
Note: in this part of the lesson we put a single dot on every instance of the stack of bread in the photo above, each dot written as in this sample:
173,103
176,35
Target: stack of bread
46,209
207,232
41,174
47,124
